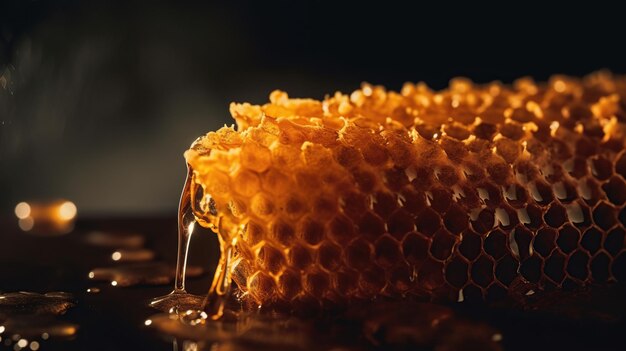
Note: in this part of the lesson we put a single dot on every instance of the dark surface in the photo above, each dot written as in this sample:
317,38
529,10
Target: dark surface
113,319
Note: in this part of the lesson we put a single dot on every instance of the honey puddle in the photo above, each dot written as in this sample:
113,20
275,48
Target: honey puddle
144,273
28,318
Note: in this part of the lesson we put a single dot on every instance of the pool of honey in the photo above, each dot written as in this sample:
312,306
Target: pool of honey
93,289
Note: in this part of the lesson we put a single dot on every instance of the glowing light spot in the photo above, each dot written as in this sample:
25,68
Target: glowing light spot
67,210
2,329
559,86
45,336
496,337
114,283
116,256
148,322
191,226
91,275
34,346
22,343
26,224
22,210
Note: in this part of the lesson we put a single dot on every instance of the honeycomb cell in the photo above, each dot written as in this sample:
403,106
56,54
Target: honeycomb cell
255,157
358,254
482,271
316,283
565,191
490,194
400,223
520,241
601,168
544,241
591,240
506,269
372,280
324,207
516,195
270,259
354,204
577,167
413,201
496,244
289,284
442,245
615,190
590,191
341,229
386,251
485,131
447,175
471,245
346,281
440,199
299,257
577,265
385,203
294,207
531,216
620,164
311,231
401,278
254,233
485,221
246,183
366,180
371,225
496,292
329,256
541,192
600,267
457,271
428,222
456,219
578,214
472,293
396,179
531,268
282,232
415,248
568,238
604,216
261,287
430,275
614,241
554,267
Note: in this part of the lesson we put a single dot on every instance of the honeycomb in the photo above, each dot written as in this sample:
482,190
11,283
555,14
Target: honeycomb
469,193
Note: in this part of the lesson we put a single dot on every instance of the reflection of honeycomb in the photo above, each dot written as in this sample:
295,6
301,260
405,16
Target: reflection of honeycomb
464,192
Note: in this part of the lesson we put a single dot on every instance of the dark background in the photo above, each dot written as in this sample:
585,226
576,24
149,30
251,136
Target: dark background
98,99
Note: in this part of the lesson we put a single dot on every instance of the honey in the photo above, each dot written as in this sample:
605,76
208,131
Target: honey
475,192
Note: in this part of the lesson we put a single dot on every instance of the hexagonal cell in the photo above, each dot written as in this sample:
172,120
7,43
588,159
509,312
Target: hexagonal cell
262,206
531,268
341,229
430,275
577,265
520,240
246,183
614,241
415,248
591,240
490,194
289,284
456,219
508,149
556,215
565,191
254,232
618,268
329,255
354,204
604,216
412,200
590,191
374,154
471,245
385,203
506,269
485,131
467,197
311,231
439,199
568,238
358,254
447,175
261,287
601,168
372,281
364,179
615,190
457,271
270,258
579,214
395,178
428,222
282,232
400,223
387,251
324,207
544,241
371,225
554,267
472,293
316,283
499,171
345,281
620,164
299,257
541,192
531,216
600,267
482,271
485,221
515,195
506,217
577,167
442,244
496,244
424,177
401,278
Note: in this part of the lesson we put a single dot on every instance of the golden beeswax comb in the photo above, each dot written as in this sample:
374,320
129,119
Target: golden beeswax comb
458,194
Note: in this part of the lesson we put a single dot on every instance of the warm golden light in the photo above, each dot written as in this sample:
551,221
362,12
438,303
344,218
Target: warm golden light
148,322
67,210
34,346
26,224
22,210
116,256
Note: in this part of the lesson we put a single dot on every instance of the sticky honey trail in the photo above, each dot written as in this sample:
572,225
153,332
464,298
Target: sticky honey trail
472,192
